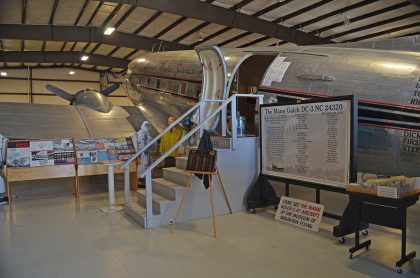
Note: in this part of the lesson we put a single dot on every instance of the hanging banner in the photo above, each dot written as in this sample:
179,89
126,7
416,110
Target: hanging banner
307,141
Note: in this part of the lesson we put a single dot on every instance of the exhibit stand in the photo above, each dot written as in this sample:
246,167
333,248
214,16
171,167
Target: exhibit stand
50,159
383,211
310,143
203,164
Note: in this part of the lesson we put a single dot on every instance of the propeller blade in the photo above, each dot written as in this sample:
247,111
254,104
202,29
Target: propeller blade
106,92
61,93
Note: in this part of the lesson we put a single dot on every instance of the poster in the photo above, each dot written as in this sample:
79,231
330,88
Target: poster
86,151
41,153
18,154
308,142
276,71
63,152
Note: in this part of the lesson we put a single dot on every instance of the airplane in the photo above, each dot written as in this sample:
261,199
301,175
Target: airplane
384,75
91,98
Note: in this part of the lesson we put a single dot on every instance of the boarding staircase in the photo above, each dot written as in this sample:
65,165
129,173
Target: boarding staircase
157,203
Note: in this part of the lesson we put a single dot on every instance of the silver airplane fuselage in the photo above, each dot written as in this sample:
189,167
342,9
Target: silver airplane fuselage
387,84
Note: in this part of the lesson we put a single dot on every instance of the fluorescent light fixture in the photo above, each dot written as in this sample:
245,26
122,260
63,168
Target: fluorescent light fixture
72,72
3,73
84,58
109,31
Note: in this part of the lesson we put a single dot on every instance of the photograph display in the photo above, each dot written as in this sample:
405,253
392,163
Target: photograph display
18,154
63,151
35,153
41,153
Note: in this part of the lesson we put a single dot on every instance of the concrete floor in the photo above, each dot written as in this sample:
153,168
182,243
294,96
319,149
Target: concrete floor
62,237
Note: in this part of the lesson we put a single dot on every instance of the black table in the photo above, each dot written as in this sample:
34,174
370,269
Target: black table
385,212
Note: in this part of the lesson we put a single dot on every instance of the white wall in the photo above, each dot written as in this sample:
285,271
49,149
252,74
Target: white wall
16,86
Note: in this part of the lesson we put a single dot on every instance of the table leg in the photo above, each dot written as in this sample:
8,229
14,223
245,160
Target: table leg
181,203
357,245
404,258
212,206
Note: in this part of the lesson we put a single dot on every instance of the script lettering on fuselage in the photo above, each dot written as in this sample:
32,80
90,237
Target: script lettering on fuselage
415,96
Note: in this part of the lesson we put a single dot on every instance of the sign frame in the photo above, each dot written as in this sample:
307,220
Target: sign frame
352,171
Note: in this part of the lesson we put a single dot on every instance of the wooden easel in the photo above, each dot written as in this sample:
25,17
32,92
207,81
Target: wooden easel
209,174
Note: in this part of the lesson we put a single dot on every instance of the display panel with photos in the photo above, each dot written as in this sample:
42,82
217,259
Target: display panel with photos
34,153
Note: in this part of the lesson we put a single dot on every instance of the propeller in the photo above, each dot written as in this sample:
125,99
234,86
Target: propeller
106,92
59,92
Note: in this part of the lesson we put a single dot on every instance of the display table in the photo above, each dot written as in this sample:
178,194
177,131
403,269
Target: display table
386,212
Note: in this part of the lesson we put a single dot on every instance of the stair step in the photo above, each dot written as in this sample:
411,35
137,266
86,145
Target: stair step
166,188
175,175
158,201
181,162
137,213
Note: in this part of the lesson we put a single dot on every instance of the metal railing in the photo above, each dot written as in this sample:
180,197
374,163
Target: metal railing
199,128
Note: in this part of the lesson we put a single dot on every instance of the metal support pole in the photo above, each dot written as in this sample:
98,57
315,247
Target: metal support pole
111,187
234,124
127,193
224,121
149,192
202,117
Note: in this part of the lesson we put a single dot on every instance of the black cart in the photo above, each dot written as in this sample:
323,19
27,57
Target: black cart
386,212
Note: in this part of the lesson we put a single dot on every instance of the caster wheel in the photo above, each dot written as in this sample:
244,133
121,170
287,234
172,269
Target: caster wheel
171,221
253,211
341,240
412,260
398,269
365,232
367,247
350,256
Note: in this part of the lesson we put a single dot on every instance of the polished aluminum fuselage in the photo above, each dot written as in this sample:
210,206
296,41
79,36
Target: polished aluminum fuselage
387,84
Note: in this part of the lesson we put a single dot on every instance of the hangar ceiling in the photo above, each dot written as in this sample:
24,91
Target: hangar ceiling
41,28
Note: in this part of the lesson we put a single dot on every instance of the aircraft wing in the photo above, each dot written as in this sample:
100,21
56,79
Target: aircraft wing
45,121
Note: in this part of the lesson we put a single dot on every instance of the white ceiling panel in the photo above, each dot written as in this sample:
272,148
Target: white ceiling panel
243,40
87,14
122,52
136,19
13,45
181,29
119,14
53,45
79,46
104,49
90,47
67,11
160,23
11,12
105,10
137,54
68,46
33,45
206,31
38,12
225,36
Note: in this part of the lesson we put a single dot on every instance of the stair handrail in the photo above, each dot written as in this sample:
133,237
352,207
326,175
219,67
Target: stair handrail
199,127
156,138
